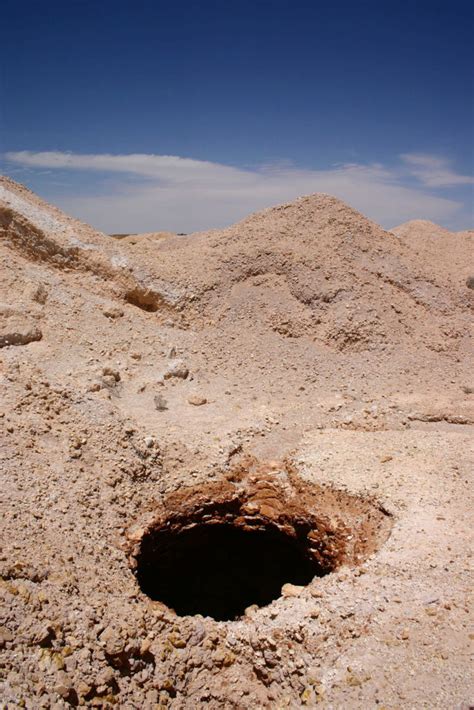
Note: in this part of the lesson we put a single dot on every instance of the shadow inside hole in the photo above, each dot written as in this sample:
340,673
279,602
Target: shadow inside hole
219,570
142,299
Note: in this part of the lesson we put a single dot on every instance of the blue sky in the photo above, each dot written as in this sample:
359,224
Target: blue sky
140,116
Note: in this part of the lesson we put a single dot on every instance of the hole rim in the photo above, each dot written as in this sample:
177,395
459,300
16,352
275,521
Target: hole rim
342,528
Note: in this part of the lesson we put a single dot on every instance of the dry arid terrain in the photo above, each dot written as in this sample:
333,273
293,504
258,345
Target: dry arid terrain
235,464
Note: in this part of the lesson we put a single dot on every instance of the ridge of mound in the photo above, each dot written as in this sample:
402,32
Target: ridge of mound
43,233
48,218
311,268
418,227
315,268
425,228
307,207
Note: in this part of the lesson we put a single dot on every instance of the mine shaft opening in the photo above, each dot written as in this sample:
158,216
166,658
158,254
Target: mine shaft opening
220,569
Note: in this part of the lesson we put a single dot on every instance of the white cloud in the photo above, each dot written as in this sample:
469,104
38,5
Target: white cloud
181,194
433,171
170,168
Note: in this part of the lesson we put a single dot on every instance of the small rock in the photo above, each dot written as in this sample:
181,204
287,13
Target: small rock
177,641
160,402
112,312
197,400
353,680
221,658
64,687
44,635
109,372
145,647
291,590
178,369
62,690
149,441
105,677
306,696
20,336
83,688
470,282
5,636
267,511
76,443
114,645
40,294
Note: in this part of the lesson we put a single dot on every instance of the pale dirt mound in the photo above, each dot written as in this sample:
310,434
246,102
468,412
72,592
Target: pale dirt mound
441,251
425,229
314,267
420,228
302,377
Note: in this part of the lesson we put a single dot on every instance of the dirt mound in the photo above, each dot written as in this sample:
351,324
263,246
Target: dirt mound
235,463
45,234
314,268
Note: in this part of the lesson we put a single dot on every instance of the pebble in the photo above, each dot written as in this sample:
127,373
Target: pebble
5,636
112,312
178,369
40,294
160,403
111,373
44,634
21,336
197,400
112,641
291,590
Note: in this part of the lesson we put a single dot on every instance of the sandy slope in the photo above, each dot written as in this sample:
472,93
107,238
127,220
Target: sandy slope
321,345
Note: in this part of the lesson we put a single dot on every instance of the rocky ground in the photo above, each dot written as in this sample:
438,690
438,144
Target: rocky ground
303,365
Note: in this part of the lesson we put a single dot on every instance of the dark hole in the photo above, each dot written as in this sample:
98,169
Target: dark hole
142,299
219,570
